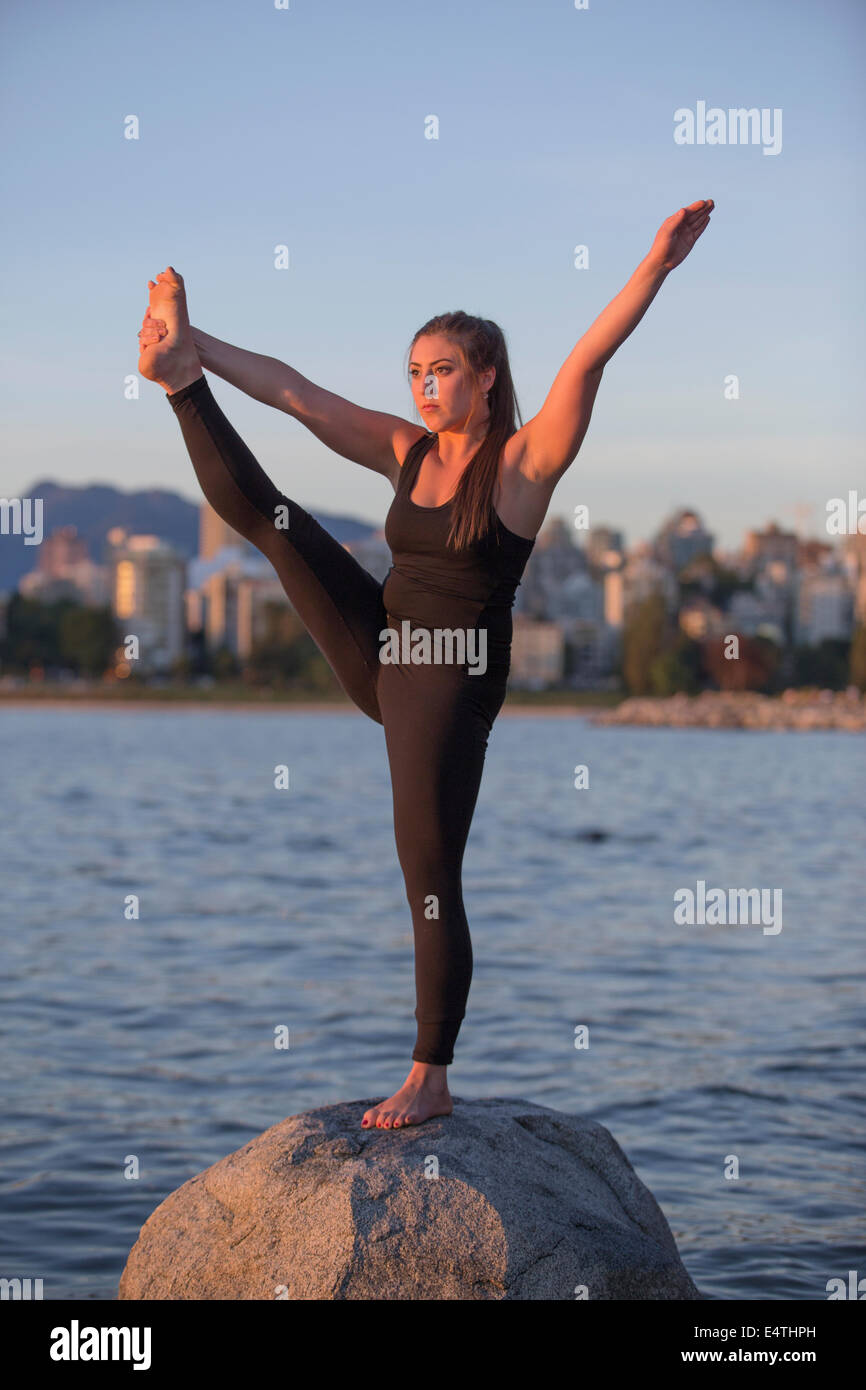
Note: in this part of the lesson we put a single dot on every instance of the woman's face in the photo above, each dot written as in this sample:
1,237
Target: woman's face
441,388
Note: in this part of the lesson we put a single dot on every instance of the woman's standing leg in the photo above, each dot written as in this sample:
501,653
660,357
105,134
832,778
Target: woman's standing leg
437,724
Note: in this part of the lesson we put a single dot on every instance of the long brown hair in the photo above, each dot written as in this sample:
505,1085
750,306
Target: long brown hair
480,344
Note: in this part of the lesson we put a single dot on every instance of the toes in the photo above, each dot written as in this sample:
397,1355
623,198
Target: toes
382,1117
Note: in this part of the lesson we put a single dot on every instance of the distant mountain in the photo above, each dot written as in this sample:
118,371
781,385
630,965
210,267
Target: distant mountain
95,509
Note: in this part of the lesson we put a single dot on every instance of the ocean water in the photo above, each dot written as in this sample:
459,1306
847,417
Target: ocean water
259,907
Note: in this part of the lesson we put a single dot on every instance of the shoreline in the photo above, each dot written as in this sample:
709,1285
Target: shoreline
792,710
91,703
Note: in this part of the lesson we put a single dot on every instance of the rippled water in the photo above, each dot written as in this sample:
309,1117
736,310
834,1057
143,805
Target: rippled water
261,907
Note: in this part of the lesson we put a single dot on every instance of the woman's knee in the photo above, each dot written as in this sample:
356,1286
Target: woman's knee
430,870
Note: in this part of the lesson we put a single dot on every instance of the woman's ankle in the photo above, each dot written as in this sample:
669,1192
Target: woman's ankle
430,1073
177,380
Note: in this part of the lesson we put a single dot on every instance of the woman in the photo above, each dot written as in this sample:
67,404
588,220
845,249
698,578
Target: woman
470,496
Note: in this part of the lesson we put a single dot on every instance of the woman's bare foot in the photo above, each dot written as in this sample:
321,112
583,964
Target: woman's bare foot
169,358
423,1094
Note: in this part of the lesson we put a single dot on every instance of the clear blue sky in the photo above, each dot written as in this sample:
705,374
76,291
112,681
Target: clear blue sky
261,126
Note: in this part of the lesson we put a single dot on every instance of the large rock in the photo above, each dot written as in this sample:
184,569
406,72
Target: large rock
501,1199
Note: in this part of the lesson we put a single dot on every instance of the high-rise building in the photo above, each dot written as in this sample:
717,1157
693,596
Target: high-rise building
64,569
605,548
825,606
682,538
215,535
59,551
147,585
555,560
641,576
537,653
761,547
614,598
854,562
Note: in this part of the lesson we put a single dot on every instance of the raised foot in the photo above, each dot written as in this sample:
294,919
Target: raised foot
418,1099
168,353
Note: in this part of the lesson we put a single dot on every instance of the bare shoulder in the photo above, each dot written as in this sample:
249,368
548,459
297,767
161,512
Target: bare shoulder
405,435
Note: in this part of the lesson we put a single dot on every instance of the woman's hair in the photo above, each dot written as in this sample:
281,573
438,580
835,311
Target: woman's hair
480,344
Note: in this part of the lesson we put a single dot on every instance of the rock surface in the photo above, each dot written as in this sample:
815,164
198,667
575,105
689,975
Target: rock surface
529,1203
716,709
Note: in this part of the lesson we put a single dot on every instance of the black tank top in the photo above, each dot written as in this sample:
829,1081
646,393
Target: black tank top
434,585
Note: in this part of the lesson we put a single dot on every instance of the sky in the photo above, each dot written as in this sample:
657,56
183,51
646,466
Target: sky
303,124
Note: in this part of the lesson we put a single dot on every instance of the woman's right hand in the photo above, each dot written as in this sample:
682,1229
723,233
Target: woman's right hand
152,330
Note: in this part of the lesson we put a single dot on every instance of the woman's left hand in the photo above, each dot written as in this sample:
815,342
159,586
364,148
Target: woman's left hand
679,232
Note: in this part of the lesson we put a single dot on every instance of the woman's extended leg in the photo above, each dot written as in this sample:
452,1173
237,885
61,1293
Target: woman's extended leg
338,601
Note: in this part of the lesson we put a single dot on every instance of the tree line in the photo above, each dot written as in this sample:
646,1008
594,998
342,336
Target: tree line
657,658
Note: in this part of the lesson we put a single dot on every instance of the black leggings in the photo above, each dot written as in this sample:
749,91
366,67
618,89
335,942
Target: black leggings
436,718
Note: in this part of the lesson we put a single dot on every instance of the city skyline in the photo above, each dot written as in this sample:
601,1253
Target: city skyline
573,605
564,137
844,516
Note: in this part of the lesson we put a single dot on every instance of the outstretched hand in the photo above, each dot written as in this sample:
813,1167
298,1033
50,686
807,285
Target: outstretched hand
679,232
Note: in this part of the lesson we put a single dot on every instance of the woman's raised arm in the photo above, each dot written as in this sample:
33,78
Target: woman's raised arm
553,437
372,438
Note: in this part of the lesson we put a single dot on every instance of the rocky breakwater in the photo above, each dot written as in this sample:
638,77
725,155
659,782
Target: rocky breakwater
794,709
503,1199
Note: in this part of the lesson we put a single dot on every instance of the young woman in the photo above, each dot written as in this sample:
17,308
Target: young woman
470,496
